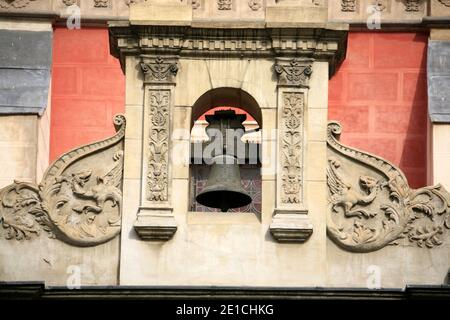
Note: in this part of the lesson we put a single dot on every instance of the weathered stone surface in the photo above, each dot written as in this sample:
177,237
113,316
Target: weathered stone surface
25,62
155,224
439,81
291,226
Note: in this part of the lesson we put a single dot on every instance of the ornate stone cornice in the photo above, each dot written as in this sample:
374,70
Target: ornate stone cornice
323,44
354,12
293,72
159,70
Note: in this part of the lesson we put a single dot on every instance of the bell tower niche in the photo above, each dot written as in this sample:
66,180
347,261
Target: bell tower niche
175,188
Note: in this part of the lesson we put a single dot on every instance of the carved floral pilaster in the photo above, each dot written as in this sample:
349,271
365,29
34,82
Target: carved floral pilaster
158,158
290,221
292,147
155,220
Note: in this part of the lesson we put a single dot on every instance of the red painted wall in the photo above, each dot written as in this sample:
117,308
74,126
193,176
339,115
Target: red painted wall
379,96
88,89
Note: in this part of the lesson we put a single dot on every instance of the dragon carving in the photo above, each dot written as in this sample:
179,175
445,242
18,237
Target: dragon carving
371,204
344,196
78,201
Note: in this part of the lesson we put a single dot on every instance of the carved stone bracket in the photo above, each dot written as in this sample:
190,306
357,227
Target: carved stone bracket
159,70
293,72
291,226
372,206
155,224
78,201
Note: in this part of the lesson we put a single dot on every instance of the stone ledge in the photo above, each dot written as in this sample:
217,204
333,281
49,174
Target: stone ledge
155,224
291,226
173,15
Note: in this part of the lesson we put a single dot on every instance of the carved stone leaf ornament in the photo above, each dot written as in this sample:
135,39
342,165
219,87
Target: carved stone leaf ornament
224,4
101,3
78,201
159,70
371,204
294,73
445,2
158,146
348,5
292,147
255,5
412,5
14,4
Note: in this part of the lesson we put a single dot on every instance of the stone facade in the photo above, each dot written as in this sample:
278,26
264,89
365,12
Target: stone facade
329,212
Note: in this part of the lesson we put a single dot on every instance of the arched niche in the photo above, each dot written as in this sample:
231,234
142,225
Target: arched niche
224,98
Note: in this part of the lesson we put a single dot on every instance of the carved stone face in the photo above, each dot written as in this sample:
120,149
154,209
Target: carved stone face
368,183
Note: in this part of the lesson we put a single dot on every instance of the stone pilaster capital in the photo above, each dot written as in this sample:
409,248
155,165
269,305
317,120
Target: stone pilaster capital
159,69
293,72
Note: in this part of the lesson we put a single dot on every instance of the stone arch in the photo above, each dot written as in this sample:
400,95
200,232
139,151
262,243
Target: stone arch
226,96
250,172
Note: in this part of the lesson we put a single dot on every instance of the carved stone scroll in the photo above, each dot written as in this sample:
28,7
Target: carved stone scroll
224,4
78,201
412,5
101,3
372,206
159,70
348,5
293,72
255,5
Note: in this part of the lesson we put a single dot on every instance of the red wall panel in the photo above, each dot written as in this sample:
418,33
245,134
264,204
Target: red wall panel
379,96
88,89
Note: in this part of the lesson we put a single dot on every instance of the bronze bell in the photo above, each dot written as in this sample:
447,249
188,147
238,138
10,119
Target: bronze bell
223,189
